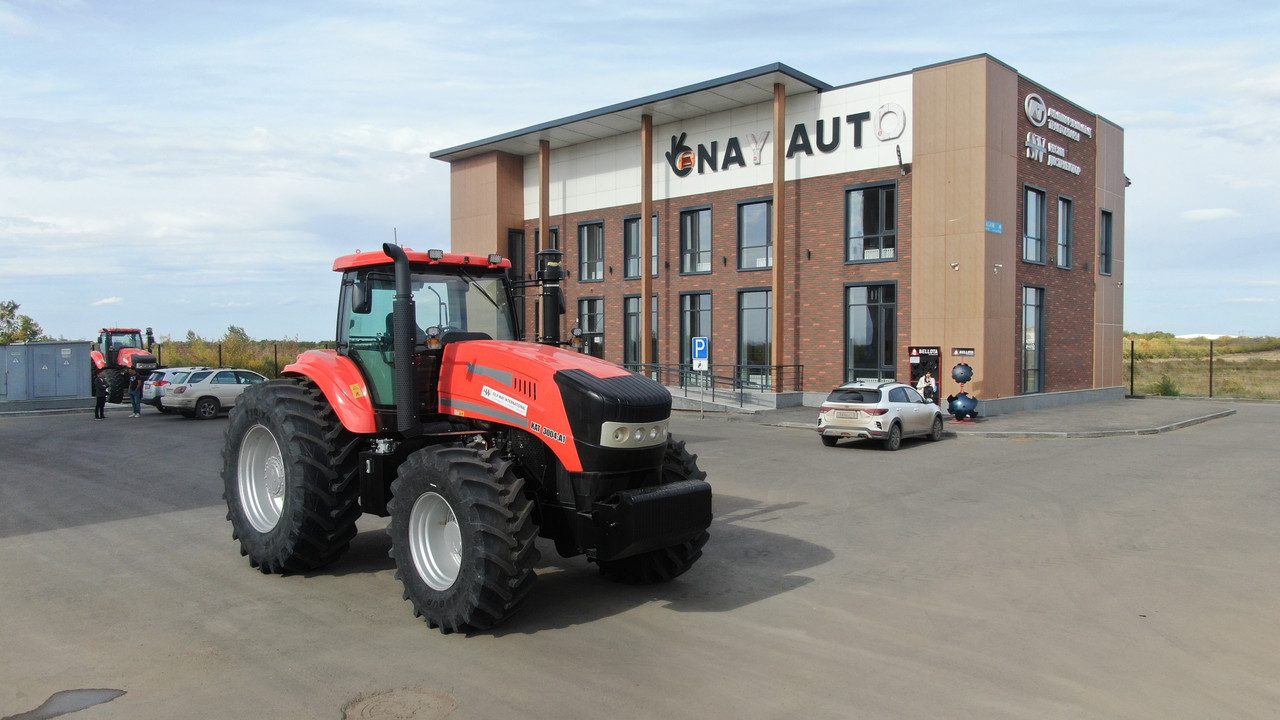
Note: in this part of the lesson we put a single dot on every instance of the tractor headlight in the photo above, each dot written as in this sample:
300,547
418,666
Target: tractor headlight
633,435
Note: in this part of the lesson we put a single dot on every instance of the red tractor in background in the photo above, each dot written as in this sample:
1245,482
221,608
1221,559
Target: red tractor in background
431,411
117,350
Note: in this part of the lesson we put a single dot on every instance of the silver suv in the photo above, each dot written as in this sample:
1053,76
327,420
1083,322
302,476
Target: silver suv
887,412
205,393
154,386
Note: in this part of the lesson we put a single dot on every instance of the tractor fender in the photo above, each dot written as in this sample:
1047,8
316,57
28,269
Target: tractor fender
343,385
98,360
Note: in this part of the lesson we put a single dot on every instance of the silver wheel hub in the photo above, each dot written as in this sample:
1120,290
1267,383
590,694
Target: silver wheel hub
260,475
435,541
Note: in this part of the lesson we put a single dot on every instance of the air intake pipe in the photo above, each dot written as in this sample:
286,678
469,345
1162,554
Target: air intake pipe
550,272
404,324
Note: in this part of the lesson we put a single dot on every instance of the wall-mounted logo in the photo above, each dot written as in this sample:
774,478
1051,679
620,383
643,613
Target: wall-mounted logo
680,157
1037,111
891,121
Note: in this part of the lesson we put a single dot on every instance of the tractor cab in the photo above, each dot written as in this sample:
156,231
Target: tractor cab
454,296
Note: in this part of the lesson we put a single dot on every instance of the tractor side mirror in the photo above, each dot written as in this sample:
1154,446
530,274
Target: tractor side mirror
361,300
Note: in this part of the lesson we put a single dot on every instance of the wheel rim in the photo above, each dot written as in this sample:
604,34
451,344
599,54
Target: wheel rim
261,478
206,409
435,541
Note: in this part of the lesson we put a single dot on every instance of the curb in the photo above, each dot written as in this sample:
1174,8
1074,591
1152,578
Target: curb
1054,434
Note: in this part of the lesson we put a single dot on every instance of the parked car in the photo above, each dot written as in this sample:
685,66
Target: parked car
153,387
205,393
887,412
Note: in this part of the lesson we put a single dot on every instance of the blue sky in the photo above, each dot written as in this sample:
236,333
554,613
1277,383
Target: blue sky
194,165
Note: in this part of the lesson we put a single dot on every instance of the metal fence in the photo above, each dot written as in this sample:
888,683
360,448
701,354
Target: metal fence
1224,367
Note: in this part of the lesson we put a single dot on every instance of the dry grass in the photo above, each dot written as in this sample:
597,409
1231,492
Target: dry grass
1241,367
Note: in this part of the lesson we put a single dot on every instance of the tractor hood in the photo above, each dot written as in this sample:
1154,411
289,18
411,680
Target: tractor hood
577,403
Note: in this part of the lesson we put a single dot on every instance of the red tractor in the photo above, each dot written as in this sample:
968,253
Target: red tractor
431,411
119,349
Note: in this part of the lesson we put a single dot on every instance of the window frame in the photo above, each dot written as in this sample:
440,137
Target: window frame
887,369
594,337
1106,242
767,245
1037,240
743,349
591,251
1066,232
1035,371
690,258
686,335
882,232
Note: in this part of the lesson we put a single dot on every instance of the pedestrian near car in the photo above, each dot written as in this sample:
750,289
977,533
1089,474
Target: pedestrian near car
135,391
927,386
100,396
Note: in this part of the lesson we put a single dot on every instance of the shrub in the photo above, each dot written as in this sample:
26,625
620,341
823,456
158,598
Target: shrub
1167,387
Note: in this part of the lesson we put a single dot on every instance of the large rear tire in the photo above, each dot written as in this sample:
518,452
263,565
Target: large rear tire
462,537
291,477
669,562
117,383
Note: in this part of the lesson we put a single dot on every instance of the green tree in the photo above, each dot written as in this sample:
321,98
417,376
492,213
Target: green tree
15,327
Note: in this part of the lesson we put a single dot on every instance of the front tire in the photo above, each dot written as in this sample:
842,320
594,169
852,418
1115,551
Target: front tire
290,473
669,562
462,536
936,433
829,440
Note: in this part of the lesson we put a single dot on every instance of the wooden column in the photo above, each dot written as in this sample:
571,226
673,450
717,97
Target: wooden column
646,239
778,226
544,195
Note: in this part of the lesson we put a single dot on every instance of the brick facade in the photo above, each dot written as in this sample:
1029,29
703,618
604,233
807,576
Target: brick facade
1069,292
816,274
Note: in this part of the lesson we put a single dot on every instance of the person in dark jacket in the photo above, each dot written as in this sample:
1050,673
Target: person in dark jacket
100,394
136,380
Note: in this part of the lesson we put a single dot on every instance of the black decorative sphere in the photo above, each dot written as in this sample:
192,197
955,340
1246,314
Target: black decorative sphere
962,405
962,373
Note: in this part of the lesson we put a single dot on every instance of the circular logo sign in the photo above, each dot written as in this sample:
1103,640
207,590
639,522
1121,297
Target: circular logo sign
1037,111
891,121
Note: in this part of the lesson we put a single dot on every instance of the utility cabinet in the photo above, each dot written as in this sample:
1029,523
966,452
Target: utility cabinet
44,371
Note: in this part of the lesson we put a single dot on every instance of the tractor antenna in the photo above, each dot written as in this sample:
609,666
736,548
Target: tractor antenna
395,236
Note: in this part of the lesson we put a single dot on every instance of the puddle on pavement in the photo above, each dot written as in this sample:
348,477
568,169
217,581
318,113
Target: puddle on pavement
68,701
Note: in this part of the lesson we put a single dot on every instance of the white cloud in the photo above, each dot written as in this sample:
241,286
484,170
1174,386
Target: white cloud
1208,214
1250,300
108,301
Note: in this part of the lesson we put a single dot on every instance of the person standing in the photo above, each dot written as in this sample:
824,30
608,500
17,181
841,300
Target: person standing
927,386
135,391
100,396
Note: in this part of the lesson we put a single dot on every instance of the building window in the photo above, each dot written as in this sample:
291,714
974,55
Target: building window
695,241
1066,230
1105,239
695,321
631,255
1033,225
553,233
655,247
871,222
755,336
591,252
591,320
1032,340
515,253
631,247
631,334
755,243
870,332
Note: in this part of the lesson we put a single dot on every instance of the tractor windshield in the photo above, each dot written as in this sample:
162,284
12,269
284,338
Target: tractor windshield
119,340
